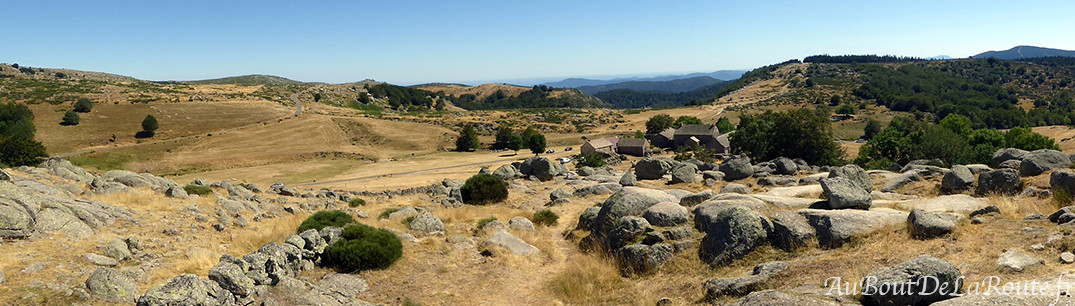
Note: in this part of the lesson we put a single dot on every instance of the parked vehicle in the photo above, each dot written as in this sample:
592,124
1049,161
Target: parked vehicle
550,151
568,149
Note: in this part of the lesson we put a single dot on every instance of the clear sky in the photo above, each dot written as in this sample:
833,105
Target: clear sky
411,42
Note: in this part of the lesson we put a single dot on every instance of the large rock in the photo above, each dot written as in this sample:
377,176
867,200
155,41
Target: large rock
503,239
844,193
697,198
232,277
185,289
1004,155
505,172
920,281
666,214
778,180
629,201
1037,162
836,227
684,173
785,166
641,258
628,179
626,232
653,168
63,168
176,192
1003,181
521,224
928,225
903,179
855,174
736,188
426,222
791,231
1018,261
585,171
720,287
957,203
737,168
28,207
559,193
732,233
958,179
1062,183
118,249
598,189
731,199
111,285
101,260
541,167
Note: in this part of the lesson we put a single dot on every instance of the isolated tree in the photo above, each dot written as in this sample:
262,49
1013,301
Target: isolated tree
149,126
957,123
529,133
516,143
70,118
659,123
536,144
83,105
686,120
317,97
503,136
468,139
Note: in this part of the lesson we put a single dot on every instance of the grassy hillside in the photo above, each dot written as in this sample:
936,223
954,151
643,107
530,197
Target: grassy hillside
674,86
628,98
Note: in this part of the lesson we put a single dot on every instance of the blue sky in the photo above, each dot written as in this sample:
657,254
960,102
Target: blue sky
411,42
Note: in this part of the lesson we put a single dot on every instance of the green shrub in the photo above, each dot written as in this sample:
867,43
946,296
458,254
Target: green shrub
325,218
83,105
356,202
198,190
545,217
387,212
362,247
483,222
592,159
484,189
70,118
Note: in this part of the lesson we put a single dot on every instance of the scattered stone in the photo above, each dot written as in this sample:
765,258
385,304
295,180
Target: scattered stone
737,168
929,225
778,180
653,168
736,188
641,258
958,179
984,211
836,227
855,174
1017,261
1003,181
1039,161
628,179
1067,257
427,223
521,224
503,239
185,289
232,277
712,175
505,172
697,198
785,166
118,249
684,173
101,260
4,176
111,285
403,213
666,214
791,231
731,233
844,193
773,297
585,171
720,287
922,280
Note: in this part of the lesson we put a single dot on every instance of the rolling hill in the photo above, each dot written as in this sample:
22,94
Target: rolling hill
675,86
1019,52
252,79
580,82
629,98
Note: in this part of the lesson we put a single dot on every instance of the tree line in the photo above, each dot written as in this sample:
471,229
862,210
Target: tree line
868,58
629,98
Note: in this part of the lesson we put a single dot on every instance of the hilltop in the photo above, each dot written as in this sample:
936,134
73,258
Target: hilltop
253,79
1019,52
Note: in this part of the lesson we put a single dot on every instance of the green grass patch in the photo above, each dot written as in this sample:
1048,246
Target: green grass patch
366,108
103,161
386,212
483,222
546,217
356,202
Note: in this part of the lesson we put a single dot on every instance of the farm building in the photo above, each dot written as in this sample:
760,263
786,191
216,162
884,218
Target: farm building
634,146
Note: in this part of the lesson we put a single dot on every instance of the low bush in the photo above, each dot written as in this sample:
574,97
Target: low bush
484,189
362,247
325,218
483,222
387,212
356,202
545,217
592,159
198,190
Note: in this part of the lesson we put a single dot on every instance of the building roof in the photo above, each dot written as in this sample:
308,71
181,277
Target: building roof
668,133
634,143
600,143
695,129
723,140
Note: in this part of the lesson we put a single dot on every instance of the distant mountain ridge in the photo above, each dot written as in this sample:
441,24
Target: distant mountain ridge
1019,52
674,86
580,82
